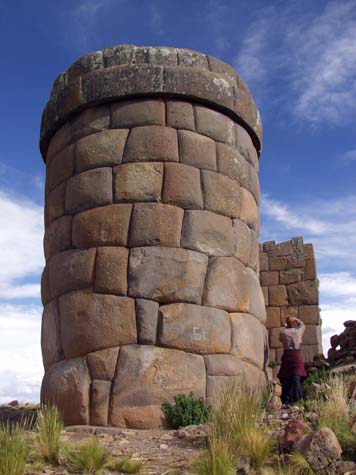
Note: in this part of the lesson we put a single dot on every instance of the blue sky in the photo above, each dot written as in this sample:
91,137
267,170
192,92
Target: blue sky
299,60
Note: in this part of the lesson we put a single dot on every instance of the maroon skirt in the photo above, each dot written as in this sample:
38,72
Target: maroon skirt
292,364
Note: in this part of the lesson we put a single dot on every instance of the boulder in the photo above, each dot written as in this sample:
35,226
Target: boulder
293,432
319,448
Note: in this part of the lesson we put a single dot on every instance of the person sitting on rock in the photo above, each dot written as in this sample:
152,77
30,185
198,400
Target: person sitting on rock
292,371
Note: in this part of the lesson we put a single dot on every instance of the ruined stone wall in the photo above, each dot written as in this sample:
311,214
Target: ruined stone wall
290,287
151,283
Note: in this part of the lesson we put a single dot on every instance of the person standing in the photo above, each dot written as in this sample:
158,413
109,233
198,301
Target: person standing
292,371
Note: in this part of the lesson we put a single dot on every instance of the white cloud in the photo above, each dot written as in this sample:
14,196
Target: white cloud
216,11
21,224
349,156
155,19
20,352
310,53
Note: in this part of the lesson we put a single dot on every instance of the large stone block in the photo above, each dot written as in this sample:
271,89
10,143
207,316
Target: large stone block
194,328
102,363
209,233
273,317
61,168
58,236
180,115
55,202
312,335
156,224
221,194
249,210
167,274
111,270
290,276
254,184
264,264
91,322
232,164
45,287
182,186
248,336
278,263
290,311
66,384
254,378
71,270
194,59
310,314
89,189
104,226
274,341
102,149
137,113
256,305
242,241
284,248
50,336
146,377
303,293
216,384
309,270
254,251
245,145
215,125
138,182
278,295
152,143
147,321
100,398
269,278
223,365
197,150
90,121
60,139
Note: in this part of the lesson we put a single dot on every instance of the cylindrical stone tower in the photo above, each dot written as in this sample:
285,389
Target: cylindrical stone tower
151,283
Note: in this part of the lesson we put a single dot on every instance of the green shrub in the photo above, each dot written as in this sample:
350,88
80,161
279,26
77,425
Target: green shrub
88,457
13,450
126,465
49,426
186,410
321,376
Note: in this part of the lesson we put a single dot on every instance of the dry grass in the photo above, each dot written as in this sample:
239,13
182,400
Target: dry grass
126,465
48,432
13,450
88,457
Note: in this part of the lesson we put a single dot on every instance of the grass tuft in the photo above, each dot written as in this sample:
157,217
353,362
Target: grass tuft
300,465
13,450
49,427
88,457
126,465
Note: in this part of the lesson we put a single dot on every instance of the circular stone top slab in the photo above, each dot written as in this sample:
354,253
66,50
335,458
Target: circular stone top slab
130,71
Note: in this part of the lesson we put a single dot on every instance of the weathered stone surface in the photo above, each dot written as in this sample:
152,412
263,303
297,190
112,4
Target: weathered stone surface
194,328
111,270
90,121
254,251
58,236
319,448
60,139
135,113
278,263
102,363
312,335
223,365
66,385
269,278
249,210
309,270
55,203
214,384
278,295
232,164
273,317
221,194
167,274
50,337
232,287
197,150
71,270
101,149
274,338
85,64
245,145
309,314
89,189
156,224
290,276
99,407
152,375
253,183
61,168
182,186
265,295
45,288
208,232
187,57
138,182
107,225
289,311
264,265
247,338
293,432
180,115
147,320
91,322
303,293
215,125
152,143
119,55
254,378
242,241
284,248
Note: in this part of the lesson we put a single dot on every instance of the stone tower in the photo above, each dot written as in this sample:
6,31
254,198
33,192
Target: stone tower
151,283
